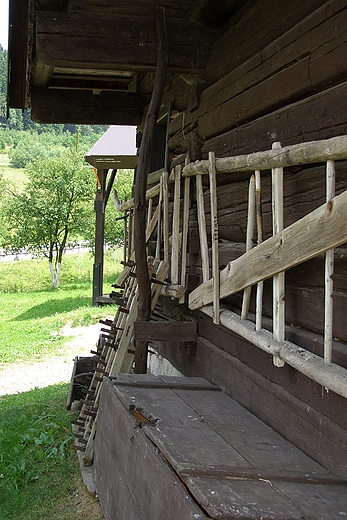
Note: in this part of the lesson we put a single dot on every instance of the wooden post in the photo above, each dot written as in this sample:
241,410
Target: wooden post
185,223
159,226
130,233
176,226
260,285
125,238
165,178
278,318
99,206
249,241
214,235
144,288
202,229
329,271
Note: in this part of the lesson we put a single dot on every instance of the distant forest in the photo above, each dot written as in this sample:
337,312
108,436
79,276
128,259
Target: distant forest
22,121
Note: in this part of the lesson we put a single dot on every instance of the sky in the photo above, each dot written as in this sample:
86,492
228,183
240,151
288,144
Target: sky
4,23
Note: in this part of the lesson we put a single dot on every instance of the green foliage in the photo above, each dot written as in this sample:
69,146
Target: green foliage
38,467
56,203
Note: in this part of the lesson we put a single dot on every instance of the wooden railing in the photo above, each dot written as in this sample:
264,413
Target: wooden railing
318,232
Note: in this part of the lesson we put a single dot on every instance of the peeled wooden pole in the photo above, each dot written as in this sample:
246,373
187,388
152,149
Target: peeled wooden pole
176,227
278,313
260,285
144,288
165,181
202,229
185,223
329,272
249,242
214,235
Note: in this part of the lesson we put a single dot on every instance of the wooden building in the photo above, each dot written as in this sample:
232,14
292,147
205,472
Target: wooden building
249,135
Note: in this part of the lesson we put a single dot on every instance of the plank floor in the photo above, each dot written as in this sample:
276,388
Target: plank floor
232,464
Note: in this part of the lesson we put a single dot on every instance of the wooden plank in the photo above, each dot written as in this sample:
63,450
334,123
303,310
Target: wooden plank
82,107
202,229
214,235
172,330
298,154
83,40
123,443
176,226
329,272
320,230
249,241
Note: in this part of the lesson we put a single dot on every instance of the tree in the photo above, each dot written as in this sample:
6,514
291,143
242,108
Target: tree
56,204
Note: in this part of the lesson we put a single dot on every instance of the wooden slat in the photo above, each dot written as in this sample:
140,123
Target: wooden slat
185,225
320,230
176,226
278,287
249,241
260,285
165,182
167,331
150,194
214,235
202,229
329,271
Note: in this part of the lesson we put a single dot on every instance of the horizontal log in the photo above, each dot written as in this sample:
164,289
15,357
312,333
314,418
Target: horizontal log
321,230
182,331
329,376
82,107
294,155
118,42
287,85
317,117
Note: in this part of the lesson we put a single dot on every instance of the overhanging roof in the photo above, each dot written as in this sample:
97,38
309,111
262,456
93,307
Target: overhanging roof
115,149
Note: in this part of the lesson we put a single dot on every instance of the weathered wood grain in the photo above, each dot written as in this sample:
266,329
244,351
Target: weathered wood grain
319,231
169,331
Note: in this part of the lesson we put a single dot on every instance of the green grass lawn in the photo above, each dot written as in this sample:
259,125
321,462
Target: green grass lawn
32,314
39,471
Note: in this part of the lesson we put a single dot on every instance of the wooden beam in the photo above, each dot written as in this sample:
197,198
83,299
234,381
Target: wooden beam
329,273
294,155
321,230
176,226
17,53
166,331
330,376
119,42
82,107
150,194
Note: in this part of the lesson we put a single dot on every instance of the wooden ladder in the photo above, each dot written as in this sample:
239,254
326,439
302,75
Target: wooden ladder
117,354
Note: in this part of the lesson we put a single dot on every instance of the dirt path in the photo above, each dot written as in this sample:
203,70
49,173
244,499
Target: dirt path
21,377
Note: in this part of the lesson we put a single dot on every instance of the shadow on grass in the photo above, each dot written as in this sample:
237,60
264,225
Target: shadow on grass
55,306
